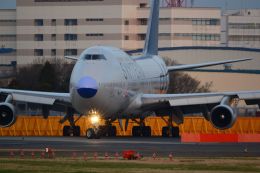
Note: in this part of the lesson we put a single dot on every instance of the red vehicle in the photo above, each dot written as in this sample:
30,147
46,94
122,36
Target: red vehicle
131,155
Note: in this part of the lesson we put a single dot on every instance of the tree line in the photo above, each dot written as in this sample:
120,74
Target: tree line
54,76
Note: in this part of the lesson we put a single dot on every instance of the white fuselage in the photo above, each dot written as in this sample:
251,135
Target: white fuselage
111,80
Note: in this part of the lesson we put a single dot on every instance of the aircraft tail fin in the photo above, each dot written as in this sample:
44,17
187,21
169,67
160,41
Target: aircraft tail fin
151,41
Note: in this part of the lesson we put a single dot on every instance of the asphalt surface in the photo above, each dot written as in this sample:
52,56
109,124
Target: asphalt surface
65,146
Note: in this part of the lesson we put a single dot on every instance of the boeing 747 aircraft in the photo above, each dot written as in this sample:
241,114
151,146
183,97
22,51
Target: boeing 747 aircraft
109,82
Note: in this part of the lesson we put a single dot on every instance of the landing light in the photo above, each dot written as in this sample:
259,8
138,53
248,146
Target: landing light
95,119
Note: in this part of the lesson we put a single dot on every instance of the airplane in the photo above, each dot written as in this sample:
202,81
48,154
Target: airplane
108,83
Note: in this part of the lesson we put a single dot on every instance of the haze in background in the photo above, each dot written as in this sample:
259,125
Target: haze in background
224,4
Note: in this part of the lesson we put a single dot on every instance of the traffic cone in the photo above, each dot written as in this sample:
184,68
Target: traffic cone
95,155
22,154
85,156
42,155
138,156
33,155
116,155
53,154
74,155
49,151
106,156
170,156
154,156
11,154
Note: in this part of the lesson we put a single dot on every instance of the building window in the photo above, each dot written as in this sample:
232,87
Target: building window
94,19
205,21
244,25
95,35
142,21
142,5
244,38
141,36
70,52
38,52
70,37
126,22
53,22
53,37
204,37
53,52
38,37
38,22
69,22
126,37
164,34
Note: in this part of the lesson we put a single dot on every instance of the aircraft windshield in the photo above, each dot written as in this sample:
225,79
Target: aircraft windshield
94,57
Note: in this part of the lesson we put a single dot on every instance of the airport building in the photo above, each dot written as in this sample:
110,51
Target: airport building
241,28
7,36
56,28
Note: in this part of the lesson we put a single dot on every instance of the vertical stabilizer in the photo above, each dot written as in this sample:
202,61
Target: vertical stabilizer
151,41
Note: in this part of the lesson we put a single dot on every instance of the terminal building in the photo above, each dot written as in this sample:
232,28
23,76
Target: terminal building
52,28
57,28
7,36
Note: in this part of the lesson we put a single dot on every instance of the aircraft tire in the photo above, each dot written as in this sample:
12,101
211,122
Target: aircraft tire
165,132
90,133
66,131
146,131
175,132
136,131
112,131
76,131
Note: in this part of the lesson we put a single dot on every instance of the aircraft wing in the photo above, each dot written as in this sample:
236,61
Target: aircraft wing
193,103
193,66
198,98
47,98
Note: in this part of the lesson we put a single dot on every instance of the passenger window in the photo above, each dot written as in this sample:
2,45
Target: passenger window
94,57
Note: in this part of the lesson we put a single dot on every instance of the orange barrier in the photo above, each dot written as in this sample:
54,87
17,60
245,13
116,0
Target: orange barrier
220,137
37,126
249,138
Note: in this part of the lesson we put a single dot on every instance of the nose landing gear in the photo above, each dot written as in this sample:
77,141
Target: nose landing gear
100,130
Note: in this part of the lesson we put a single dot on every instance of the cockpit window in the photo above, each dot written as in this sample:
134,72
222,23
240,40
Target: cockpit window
94,57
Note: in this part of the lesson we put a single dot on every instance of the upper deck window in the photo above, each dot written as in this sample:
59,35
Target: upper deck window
94,57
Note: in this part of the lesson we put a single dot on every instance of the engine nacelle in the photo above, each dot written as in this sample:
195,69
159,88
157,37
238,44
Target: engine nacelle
7,115
223,117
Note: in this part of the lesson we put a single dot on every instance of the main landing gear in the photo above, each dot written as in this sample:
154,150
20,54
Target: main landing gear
170,130
71,130
141,130
100,130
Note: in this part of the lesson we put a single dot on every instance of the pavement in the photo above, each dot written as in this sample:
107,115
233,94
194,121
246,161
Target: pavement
65,146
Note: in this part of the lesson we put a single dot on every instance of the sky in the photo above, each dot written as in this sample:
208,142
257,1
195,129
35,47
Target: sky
224,4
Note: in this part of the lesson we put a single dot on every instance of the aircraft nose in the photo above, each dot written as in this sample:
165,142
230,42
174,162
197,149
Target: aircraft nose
87,87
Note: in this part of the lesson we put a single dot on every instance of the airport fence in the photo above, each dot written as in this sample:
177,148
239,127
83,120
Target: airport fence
38,126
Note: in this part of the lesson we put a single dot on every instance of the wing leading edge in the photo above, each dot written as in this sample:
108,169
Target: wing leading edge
193,66
47,98
198,98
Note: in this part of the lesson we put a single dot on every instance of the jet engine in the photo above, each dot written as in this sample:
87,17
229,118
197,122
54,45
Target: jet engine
223,117
7,115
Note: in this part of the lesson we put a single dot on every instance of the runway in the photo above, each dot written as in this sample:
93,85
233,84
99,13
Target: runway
64,146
